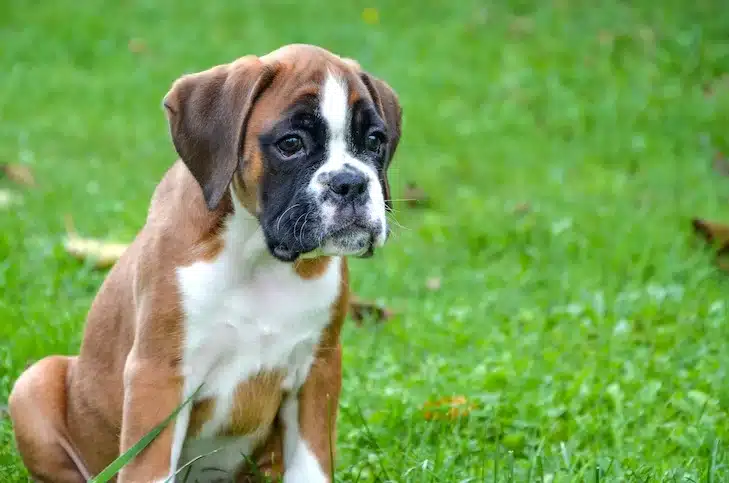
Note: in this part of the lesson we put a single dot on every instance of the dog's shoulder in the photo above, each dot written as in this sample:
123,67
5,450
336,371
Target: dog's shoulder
180,229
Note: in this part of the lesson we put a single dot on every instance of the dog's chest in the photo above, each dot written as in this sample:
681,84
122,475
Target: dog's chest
249,339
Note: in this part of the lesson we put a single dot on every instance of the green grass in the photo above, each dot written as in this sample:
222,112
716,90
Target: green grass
590,330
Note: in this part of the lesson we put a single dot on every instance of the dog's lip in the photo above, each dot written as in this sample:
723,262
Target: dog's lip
369,252
349,226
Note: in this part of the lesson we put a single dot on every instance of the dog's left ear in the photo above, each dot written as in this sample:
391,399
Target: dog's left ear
389,108
207,113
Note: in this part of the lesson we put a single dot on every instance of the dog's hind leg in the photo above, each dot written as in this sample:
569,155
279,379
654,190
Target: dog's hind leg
37,409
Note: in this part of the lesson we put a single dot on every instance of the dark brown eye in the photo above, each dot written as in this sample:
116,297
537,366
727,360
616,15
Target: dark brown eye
290,145
373,143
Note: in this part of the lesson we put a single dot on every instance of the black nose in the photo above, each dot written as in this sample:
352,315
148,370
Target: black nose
348,185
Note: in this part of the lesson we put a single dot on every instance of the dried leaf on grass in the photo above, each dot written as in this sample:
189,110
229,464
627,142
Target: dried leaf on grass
521,25
522,208
362,309
721,164
718,84
414,196
723,265
103,254
452,407
137,46
18,173
605,37
714,233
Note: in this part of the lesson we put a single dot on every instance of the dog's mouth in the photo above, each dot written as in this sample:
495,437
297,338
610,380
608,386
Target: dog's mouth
353,234
353,238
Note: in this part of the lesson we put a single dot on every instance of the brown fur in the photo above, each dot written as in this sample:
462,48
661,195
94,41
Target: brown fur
126,378
256,404
311,268
202,411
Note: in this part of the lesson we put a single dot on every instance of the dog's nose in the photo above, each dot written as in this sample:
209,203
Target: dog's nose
348,185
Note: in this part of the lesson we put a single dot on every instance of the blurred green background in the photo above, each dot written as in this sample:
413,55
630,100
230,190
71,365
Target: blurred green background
552,280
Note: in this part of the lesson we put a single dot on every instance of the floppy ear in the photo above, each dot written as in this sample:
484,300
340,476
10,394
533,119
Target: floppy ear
389,108
207,114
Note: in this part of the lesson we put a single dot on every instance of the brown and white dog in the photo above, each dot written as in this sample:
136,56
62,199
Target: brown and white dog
236,285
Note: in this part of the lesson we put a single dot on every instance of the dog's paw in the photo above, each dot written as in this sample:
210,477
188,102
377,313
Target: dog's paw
304,469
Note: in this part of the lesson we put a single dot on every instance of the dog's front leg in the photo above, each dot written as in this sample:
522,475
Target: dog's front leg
309,418
152,391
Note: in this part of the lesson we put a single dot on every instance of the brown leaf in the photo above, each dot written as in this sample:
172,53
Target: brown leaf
721,164
522,208
605,38
716,234
521,25
102,254
361,309
137,46
18,173
718,84
452,407
433,283
414,196
713,232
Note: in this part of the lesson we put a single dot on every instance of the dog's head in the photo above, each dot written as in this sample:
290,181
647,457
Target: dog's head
303,140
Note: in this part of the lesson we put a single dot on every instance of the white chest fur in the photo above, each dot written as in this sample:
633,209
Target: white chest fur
245,312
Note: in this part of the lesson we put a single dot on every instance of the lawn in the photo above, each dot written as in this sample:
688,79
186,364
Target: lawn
553,280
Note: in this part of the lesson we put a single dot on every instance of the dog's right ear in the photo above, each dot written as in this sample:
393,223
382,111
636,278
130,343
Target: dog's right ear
207,114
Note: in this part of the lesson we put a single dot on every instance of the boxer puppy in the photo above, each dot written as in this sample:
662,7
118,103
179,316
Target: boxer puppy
235,289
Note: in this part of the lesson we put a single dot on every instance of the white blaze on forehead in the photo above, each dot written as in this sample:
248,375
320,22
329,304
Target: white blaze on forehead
335,110
334,106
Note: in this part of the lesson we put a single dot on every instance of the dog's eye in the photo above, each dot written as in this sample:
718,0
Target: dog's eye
290,145
373,143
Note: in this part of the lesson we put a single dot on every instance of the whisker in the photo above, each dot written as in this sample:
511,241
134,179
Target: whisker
278,224
391,210
397,223
301,232
297,222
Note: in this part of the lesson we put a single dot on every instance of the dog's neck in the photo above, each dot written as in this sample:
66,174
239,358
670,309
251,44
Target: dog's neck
245,242
248,251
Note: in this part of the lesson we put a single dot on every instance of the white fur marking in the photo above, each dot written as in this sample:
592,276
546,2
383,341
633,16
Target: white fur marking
334,108
300,464
181,423
245,311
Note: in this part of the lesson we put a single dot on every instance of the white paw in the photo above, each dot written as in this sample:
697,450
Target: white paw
295,476
304,468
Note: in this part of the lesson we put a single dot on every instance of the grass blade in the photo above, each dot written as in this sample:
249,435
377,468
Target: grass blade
188,466
115,466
